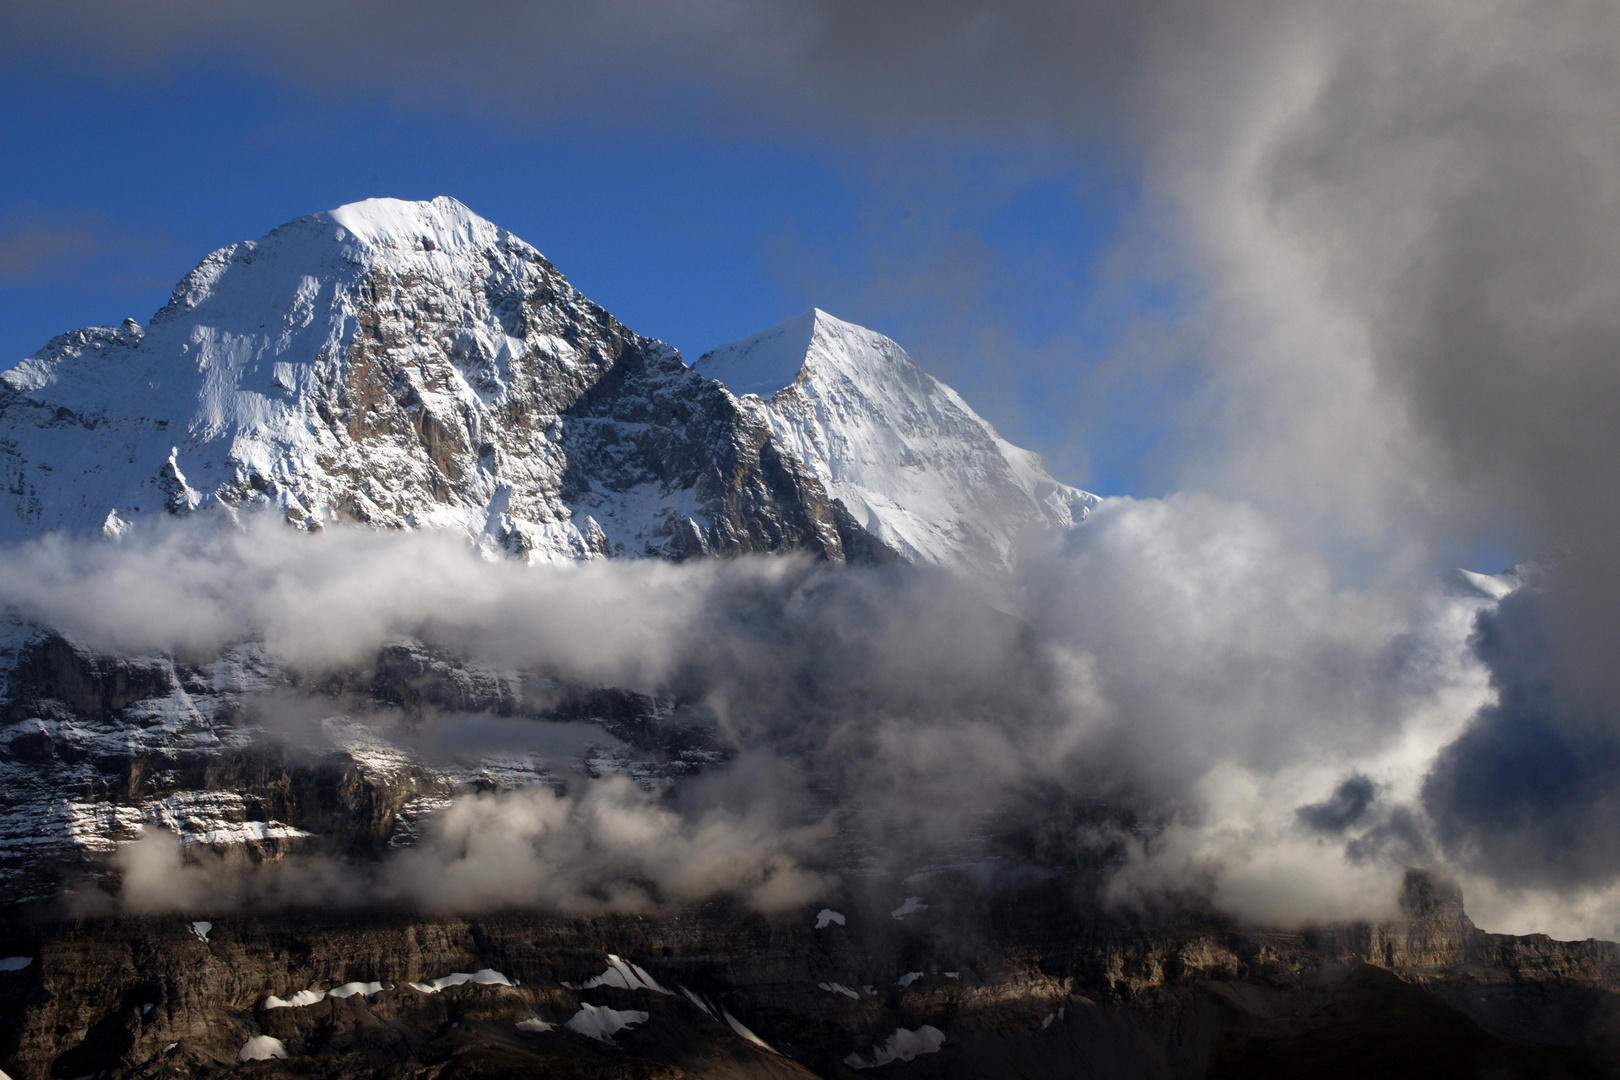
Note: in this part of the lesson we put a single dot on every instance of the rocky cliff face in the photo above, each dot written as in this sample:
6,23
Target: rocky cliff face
1040,987
1031,979
96,748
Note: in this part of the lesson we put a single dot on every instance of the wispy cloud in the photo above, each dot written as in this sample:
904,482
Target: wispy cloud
39,245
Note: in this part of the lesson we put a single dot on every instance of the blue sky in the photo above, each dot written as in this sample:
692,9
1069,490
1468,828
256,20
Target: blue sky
981,253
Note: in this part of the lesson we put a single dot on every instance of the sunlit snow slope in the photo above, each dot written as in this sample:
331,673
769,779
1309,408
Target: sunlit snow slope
904,453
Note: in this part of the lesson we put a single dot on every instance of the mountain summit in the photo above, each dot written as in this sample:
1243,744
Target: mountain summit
901,450
411,365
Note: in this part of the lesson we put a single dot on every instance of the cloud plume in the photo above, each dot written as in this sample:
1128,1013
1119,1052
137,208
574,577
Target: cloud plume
611,847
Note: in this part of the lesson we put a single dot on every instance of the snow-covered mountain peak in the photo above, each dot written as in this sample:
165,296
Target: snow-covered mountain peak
403,365
412,365
814,346
260,319
904,453
442,224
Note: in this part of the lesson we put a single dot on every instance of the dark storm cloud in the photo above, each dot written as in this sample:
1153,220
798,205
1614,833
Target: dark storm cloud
1347,805
1531,792
892,62
1462,175
1460,170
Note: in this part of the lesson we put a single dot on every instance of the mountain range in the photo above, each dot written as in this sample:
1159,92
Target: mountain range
409,370
412,366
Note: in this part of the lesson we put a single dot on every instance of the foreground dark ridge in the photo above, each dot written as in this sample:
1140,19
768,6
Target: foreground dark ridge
1023,984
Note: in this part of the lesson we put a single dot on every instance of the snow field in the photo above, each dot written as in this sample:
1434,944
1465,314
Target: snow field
621,974
311,997
826,917
912,906
261,1048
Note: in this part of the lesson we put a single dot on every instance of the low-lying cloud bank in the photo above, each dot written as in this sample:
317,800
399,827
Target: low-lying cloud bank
610,848
1284,745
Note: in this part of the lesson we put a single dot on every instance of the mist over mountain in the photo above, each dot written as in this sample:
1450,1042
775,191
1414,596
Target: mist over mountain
409,669
383,572
411,368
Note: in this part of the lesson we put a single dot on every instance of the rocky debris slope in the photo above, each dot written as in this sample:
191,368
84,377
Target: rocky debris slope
1041,987
902,451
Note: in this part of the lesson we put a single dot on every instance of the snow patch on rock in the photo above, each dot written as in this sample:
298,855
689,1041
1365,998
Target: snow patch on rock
261,1048
297,1001
903,1045
622,974
482,977
313,997
912,906
601,1023
747,1036
352,988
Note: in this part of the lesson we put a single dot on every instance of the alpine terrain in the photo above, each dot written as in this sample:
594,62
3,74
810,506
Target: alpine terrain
214,859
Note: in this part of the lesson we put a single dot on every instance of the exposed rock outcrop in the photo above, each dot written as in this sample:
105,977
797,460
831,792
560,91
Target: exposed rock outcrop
237,755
